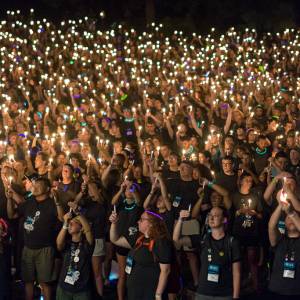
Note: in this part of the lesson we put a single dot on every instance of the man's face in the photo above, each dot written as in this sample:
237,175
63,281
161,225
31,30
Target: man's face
294,155
215,218
150,128
38,188
227,166
185,170
164,150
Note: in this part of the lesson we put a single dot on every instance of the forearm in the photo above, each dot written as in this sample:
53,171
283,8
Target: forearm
177,231
295,202
147,202
116,197
236,273
162,281
86,229
269,190
272,227
295,218
197,208
60,212
113,233
60,240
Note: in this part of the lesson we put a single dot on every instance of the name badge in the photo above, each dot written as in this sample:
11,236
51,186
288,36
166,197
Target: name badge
129,264
176,201
72,277
289,269
213,273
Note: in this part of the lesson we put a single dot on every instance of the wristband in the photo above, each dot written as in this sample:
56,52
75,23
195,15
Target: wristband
65,226
210,184
274,180
157,296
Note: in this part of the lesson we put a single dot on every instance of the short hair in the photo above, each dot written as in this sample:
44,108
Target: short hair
45,181
44,156
281,154
227,157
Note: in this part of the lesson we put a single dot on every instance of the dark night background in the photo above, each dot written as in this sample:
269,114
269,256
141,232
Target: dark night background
190,15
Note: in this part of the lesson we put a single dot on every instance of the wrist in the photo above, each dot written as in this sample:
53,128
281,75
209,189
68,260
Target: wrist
291,213
65,225
157,296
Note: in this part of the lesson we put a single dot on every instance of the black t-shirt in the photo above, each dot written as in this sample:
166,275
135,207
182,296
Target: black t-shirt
261,159
40,219
75,275
245,227
67,193
95,214
143,278
228,182
224,253
284,252
182,194
129,214
169,175
128,130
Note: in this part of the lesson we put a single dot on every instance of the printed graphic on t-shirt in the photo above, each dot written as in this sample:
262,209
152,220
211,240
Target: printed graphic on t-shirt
30,221
132,230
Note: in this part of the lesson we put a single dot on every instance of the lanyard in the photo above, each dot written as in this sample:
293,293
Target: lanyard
290,250
74,257
210,249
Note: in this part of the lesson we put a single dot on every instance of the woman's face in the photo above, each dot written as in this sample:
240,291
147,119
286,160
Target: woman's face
251,136
144,223
160,204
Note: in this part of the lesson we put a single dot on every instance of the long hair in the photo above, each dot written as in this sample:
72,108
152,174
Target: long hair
158,228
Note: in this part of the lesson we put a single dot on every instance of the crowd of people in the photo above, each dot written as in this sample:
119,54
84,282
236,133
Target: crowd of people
176,155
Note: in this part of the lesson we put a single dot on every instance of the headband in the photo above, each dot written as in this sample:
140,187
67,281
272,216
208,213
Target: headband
154,214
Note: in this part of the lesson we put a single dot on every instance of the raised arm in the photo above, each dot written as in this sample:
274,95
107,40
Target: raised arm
185,240
115,238
164,192
274,234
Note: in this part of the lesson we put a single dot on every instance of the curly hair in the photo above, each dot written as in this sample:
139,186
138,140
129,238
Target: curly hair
158,228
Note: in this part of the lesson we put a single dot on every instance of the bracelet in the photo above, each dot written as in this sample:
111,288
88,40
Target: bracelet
157,296
65,226
274,180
